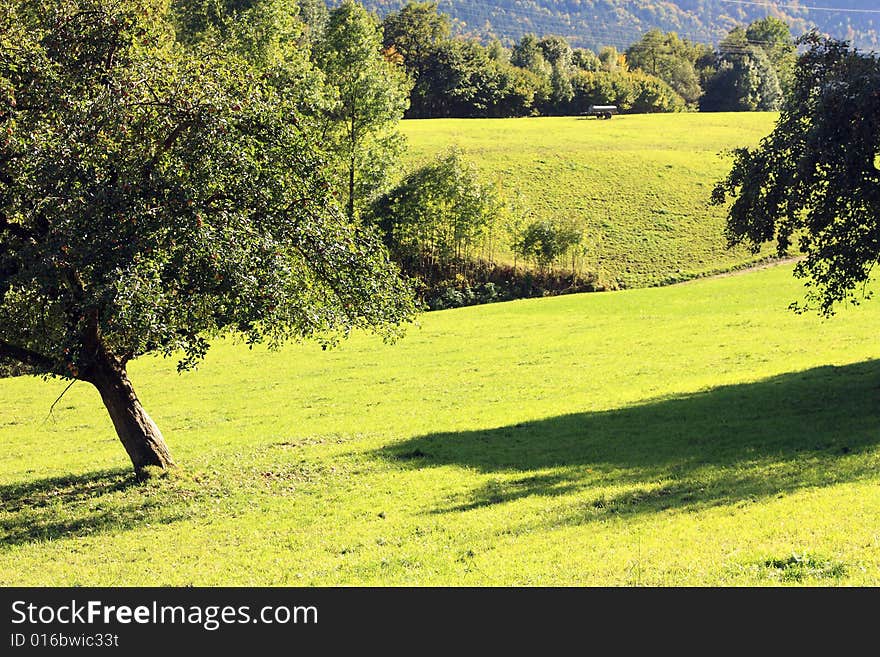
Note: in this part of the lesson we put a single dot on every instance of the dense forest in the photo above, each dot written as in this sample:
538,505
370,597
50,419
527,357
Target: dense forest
597,23
459,76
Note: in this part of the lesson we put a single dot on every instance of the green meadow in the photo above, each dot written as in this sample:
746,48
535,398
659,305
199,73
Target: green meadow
694,434
639,185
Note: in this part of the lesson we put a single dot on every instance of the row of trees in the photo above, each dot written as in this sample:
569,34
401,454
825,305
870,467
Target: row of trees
659,73
749,70
461,77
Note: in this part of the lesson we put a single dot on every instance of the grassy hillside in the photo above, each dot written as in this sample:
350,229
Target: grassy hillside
639,184
695,434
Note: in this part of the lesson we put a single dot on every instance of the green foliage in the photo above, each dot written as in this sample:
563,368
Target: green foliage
485,282
10,367
652,52
460,78
671,59
314,16
800,567
556,51
610,59
744,79
635,92
520,92
586,60
561,90
497,52
682,77
773,36
263,31
415,32
439,213
596,24
371,95
196,17
814,180
152,196
689,435
529,54
546,242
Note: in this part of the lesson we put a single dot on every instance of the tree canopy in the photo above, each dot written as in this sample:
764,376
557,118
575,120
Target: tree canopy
814,180
154,195
416,31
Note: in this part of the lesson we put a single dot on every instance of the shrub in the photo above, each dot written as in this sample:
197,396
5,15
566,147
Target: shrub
437,214
487,283
544,242
634,92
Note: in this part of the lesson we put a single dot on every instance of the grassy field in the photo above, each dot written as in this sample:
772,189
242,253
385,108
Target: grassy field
639,184
694,434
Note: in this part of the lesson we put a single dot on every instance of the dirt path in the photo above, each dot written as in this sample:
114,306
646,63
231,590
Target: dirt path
767,264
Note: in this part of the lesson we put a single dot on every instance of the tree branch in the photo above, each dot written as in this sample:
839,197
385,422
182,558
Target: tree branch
167,144
26,356
16,230
60,397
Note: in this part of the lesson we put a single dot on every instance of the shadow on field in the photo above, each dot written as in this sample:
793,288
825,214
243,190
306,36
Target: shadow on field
728,445
61,507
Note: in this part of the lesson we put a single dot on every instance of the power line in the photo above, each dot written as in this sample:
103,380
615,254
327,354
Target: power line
510,21
842,10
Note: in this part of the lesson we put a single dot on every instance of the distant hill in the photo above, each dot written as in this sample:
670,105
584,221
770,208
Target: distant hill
596,23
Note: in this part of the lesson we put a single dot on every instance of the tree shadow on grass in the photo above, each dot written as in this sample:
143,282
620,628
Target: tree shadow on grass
729,445
78,505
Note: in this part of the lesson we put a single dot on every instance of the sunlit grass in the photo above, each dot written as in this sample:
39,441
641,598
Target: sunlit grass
638,184
696,434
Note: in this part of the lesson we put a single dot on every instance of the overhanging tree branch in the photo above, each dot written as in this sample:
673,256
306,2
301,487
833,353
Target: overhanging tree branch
26,356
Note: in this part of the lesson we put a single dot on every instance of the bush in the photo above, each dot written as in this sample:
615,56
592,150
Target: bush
10,368
634,92
487,283
544,242
437,214
438,217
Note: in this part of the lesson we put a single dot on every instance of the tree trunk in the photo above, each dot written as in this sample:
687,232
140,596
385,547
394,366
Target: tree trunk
351,192
136,430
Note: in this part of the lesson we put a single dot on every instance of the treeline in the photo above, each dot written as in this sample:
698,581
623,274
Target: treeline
461,77
749,70
594,23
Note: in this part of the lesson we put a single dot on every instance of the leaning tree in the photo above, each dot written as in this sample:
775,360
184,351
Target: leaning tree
814,180
153,196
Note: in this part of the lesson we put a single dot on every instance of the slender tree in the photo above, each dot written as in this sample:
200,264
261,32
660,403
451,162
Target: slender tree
372,95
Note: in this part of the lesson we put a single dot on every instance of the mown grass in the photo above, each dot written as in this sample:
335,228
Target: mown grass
638,184
695,434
